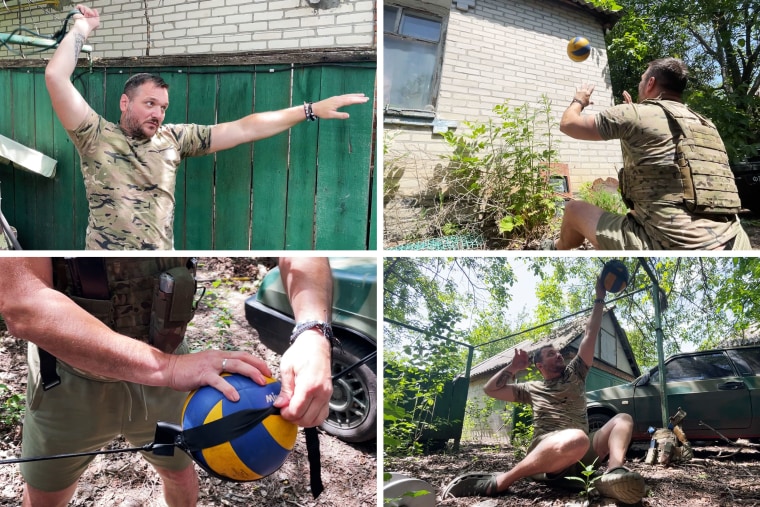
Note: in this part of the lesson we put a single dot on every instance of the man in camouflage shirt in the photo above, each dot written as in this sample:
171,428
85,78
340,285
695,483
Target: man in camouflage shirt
130,168
560,426
652,183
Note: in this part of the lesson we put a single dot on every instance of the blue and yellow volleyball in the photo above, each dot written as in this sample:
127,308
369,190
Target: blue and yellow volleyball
578,49
614,276
255,454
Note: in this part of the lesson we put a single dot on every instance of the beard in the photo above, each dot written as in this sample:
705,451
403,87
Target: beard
134,128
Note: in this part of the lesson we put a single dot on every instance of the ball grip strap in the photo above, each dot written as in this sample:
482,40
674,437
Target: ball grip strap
223,430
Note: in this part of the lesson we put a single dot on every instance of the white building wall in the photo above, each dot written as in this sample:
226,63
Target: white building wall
497,50
207,26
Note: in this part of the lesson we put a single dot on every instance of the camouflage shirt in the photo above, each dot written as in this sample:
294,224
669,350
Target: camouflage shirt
560,403
647,140
130,182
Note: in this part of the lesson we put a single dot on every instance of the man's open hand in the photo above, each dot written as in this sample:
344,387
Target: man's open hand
328,109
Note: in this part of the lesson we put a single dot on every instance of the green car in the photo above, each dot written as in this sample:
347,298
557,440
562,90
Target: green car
353,406
718,387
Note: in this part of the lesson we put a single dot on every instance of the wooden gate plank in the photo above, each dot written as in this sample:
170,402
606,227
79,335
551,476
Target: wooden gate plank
302,180
233,168
177,80
44,117
343,182
23,132
199,171
7,182
270,162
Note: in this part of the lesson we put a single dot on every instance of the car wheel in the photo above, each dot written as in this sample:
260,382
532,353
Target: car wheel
597,420
353,406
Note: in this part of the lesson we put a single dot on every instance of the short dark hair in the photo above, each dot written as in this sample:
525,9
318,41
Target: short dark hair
670,73
139,79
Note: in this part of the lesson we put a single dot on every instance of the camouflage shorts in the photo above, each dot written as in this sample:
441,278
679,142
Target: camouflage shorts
621,232
81,415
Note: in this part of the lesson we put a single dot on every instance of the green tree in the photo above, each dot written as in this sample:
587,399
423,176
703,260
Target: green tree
720,42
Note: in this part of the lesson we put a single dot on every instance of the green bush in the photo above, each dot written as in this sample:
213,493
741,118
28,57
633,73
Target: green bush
608,201
500,172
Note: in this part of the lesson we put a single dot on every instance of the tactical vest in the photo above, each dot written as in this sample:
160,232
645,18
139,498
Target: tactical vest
700,177
123,293
131,285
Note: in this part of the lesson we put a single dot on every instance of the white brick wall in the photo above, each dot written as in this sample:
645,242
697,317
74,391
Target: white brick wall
514,50
209,26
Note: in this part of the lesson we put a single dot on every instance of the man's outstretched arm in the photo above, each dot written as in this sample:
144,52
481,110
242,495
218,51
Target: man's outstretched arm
262,125
68,103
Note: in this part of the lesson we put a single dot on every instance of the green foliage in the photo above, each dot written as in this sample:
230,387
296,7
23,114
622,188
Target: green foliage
718,39
587,479
608,201
522,432
501,172
410,391
12,407
393,168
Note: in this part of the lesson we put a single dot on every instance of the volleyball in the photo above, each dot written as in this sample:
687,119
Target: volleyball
614,276
259,451
578,49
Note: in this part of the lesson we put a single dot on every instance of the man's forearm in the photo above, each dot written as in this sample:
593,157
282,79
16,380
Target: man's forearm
498,385
66,56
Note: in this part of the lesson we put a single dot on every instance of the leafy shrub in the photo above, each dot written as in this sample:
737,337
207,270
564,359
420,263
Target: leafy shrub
608,201
500,174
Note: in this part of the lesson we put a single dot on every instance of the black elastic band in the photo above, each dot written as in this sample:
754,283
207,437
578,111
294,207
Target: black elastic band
315,466
48,373
224,429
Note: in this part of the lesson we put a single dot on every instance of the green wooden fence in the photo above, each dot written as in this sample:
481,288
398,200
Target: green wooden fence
310,188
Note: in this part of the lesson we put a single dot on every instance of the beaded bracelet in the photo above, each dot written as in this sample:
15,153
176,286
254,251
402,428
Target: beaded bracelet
307,109
323,326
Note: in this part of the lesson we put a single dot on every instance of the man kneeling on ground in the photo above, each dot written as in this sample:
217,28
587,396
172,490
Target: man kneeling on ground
561,436
675,180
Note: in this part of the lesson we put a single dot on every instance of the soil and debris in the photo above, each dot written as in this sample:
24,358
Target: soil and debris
718,476
349,471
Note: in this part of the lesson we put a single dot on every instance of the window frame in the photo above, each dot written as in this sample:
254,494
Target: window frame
397,112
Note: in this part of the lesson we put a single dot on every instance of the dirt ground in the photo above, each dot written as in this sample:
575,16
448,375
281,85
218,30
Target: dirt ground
349,471
712,479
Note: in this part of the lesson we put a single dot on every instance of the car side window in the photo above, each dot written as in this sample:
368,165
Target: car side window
746,360
699,367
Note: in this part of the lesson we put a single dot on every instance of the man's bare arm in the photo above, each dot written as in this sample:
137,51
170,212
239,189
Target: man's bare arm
501,385
575,124
593,326
68,103
262,125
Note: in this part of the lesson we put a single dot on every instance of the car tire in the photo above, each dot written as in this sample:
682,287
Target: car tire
353,406
597,420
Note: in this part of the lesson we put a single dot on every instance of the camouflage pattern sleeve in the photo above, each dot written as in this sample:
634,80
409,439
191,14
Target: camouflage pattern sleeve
618,122
522,393
193,140
85,136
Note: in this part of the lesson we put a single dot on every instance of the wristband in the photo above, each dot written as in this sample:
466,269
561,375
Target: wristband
324,327
599,301
583,106
309,112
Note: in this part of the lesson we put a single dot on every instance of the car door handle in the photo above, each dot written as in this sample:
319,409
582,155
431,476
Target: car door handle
731,386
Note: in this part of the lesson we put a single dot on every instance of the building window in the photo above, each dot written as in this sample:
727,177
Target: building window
412,45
